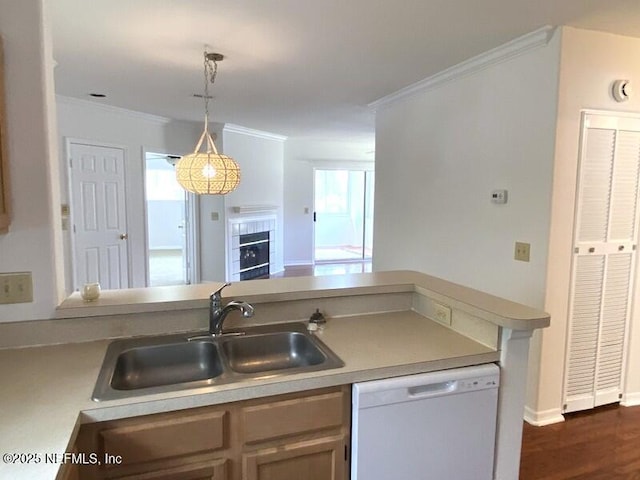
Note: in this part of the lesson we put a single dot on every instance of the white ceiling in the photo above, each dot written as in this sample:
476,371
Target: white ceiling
292,67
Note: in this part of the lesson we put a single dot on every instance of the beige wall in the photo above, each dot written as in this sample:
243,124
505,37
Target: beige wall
590,62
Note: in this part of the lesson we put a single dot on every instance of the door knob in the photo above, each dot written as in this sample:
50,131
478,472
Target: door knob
124,236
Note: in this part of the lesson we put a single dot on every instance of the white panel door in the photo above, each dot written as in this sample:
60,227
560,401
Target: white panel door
604,256
99,216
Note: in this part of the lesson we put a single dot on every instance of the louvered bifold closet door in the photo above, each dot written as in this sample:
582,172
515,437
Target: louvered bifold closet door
604,255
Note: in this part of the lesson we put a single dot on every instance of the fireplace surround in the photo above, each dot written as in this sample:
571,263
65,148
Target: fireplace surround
251,245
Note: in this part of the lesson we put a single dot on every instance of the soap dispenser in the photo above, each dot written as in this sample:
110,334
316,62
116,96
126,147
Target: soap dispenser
316,321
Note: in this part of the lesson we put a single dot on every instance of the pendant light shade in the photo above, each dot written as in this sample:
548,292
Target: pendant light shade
208,172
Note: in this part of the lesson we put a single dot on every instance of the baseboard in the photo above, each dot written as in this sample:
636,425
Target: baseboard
630,399
545,417
298,263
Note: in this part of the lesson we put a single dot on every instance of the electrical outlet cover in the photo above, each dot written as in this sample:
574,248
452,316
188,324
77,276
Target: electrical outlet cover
442,313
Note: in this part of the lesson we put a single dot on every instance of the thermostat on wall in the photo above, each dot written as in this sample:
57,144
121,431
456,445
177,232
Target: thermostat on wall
499,196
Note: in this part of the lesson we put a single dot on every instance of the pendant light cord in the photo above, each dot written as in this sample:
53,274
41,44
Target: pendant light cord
210,73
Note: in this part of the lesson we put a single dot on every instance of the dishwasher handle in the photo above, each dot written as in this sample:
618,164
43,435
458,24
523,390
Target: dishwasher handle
432,389
424,386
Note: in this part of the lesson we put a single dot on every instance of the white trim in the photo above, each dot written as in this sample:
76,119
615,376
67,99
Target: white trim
254,209
232,128
359,165
298,263
192,206
630,399
610,113
542,418
71,101
506,51
194,212
145,218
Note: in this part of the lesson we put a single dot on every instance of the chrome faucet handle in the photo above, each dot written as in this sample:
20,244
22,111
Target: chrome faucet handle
217,295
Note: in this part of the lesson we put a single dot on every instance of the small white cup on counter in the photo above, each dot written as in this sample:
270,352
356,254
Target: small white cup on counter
90,292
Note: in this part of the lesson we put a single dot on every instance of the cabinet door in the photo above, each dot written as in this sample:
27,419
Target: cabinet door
215,470
318,459
69,471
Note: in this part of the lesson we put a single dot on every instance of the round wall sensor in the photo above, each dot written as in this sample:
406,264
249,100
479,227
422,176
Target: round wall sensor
621,90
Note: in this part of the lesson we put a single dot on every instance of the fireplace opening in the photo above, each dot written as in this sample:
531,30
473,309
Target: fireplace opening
254,255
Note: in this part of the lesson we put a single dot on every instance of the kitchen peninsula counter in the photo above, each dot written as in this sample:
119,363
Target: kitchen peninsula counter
47,388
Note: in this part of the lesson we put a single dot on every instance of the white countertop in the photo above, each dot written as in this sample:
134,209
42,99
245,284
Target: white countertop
46,390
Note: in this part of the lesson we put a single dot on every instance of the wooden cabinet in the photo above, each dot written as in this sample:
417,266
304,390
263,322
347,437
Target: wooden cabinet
188,444
323,458
295,436
213,470
69,471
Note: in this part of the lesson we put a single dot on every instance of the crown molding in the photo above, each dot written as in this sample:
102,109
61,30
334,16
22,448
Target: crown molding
536,39
232,128
78,102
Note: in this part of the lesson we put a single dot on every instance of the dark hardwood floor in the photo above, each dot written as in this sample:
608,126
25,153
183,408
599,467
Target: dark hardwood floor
600,444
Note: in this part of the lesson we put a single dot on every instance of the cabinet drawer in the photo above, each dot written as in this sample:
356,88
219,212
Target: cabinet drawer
163,438
292,417
215,470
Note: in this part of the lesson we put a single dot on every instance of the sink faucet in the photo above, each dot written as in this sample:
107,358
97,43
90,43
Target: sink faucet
217,313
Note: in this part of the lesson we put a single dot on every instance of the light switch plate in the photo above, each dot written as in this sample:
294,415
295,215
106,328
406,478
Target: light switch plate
522,251
16,288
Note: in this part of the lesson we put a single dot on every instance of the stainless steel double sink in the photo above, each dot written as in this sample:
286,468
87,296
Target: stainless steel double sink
146,365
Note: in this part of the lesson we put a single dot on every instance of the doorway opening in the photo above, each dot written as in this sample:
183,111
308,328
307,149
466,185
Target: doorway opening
343,216
170,233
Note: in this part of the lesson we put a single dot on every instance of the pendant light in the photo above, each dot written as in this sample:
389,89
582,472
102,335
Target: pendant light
208,172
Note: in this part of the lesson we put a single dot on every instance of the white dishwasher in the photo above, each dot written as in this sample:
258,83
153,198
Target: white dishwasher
432,426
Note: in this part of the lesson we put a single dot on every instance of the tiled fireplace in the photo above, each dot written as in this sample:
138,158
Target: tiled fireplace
252,246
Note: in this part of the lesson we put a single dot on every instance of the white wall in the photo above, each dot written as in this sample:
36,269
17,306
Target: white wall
590,62
302,155
34,240
212,232
137,133
439,155
261,159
